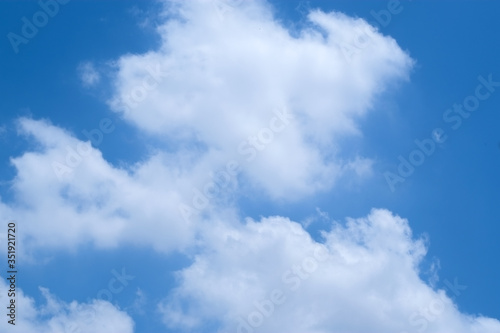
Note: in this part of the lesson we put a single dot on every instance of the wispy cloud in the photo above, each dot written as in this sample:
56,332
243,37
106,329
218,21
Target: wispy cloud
88,74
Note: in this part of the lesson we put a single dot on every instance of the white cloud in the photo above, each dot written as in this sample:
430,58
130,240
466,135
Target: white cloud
56,316
215,83
363,278
218,79
66,194
88,74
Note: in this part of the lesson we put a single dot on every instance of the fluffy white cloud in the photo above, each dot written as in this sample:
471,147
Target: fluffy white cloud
66,194
270,276
220,76
224,86
56,316
235,84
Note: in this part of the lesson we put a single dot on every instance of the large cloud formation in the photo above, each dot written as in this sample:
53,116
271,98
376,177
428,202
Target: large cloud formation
270,276
235,90
221,78
229,90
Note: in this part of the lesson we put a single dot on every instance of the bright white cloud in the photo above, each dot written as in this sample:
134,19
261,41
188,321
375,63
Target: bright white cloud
225,85
66,194
270,276
236,85
223,71
274,103
56,316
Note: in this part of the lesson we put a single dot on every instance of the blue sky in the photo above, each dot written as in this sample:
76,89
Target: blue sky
220,72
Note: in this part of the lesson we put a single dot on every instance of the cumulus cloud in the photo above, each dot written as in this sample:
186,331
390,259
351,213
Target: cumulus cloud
233,88
268,105
56,316
270,276
66,194
220,77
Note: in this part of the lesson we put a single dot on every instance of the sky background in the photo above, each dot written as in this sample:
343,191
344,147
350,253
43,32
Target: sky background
451,200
